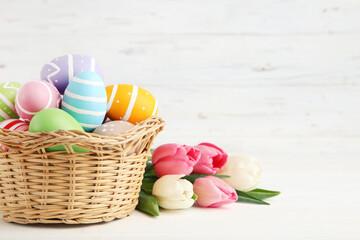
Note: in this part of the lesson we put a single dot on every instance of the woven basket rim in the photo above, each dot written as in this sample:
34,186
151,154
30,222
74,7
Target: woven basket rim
86,135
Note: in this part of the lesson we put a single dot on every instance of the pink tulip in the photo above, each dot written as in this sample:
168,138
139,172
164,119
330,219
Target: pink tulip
213,192
212,159
174,159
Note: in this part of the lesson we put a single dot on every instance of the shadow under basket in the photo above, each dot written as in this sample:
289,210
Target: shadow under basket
100,185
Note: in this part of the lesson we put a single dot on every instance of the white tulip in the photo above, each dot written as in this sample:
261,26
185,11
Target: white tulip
245,172
173,192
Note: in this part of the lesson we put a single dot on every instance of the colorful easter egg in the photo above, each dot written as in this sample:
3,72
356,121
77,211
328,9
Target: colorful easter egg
8,92
13,124
53,119
35,96
60,70
113,128
85,100
116,127
130,103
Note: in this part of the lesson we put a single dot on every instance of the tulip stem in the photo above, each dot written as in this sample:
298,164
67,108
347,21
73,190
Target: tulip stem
192,177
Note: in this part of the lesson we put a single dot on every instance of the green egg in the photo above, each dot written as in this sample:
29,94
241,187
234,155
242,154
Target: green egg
8,91
52,119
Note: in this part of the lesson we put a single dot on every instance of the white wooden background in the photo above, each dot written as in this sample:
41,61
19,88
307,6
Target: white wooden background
276,79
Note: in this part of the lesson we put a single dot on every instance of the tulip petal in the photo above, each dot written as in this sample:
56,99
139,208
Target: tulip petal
207,192
211,145
188,188
245,172
168,187
174,159
173,192
164,150
177,204
212,159
193,154
229,194
203,169
213,192
171,167
219,161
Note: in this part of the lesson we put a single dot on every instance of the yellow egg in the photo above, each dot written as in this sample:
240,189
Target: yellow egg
130,103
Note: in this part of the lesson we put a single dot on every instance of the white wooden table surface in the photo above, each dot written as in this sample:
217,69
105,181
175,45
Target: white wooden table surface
279,80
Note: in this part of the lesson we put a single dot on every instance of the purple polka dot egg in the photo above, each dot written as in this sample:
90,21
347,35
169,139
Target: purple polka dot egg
60,70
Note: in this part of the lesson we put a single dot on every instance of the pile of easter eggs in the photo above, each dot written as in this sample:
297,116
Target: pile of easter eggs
71,95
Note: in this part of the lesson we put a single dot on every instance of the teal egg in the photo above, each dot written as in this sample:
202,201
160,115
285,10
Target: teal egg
85,99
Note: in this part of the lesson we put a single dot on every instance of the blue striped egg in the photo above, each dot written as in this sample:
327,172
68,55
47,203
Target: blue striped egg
85,99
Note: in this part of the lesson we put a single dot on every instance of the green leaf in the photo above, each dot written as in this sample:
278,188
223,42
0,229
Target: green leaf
149,179
152,150
148,183
149,167
192,177
147,187
151,173
149,170
148,204
262,193
245,197
195,197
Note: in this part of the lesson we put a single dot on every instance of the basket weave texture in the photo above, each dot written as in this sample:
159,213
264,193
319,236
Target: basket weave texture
68,187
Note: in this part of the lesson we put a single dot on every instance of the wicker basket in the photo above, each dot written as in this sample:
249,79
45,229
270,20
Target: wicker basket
57,187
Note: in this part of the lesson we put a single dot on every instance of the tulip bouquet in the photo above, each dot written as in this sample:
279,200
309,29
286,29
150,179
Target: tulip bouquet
177,176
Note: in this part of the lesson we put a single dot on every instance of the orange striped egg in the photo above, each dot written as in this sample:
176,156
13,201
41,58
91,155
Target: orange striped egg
130,103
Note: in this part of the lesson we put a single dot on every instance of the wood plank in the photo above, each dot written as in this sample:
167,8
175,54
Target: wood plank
219,60
210,17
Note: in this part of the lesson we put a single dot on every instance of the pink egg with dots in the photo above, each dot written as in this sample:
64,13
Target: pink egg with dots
35,96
